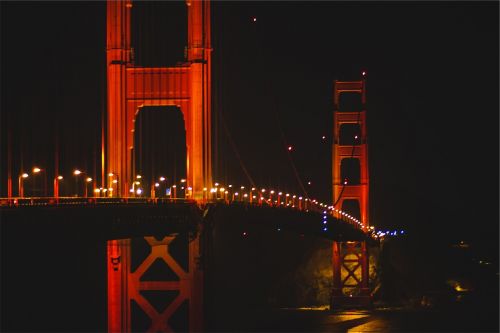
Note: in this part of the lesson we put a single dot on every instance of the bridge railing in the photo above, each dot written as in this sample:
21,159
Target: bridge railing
218,193
283,202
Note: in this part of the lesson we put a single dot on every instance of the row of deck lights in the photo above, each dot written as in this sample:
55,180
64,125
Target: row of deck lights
253,195
77,173
282,199
219,192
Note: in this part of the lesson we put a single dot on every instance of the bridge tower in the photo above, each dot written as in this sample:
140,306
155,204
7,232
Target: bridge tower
350,191
130,87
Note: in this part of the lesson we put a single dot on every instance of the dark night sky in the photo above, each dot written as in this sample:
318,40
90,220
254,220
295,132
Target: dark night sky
432,96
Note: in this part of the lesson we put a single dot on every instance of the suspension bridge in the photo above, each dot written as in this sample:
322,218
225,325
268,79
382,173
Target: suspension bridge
131,214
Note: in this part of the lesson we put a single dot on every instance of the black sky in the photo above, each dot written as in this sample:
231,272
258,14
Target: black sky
432,95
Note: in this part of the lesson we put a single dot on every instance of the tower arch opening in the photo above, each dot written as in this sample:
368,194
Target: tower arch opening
158,32
350,170
350,101
160,148
349,134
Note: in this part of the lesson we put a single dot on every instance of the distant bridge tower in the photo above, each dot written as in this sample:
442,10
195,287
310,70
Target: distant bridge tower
350,190
187,86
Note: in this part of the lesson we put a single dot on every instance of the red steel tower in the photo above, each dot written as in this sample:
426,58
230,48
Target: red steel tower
350,190
131,87
187,86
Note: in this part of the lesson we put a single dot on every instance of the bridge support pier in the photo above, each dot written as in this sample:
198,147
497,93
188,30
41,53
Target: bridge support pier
159,300
350,275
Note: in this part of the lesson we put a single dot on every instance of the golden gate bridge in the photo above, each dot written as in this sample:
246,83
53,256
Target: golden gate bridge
187,87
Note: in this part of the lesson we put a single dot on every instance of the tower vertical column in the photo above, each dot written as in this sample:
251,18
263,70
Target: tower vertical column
199,123
339,152
350,259
117,57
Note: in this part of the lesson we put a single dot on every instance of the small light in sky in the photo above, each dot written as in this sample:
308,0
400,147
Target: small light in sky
363,73
323,137
355,137
254,19
290,148
309,183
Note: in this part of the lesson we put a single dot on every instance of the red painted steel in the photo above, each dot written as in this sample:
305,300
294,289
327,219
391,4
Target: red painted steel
350,259
130,87
187,86
125,285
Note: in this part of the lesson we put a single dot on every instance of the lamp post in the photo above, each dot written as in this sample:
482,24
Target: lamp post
76,173
88,180
183,187
162,180
135,188
56,186
216,191
21,183
36,171
153,189
175,191
138,191
114,181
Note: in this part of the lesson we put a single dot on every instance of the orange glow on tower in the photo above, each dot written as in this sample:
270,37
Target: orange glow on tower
130,87
359,151
187,86
350,259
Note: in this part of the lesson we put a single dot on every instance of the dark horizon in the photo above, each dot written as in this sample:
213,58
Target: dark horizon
432,68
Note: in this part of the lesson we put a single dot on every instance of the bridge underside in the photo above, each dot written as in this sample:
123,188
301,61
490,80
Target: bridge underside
57,260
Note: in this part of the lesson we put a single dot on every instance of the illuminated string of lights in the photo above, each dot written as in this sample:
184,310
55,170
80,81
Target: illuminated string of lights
227,194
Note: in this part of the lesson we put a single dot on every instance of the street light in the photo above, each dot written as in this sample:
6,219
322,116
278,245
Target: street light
161,181
20,180
87,181
114,181
76,173
56,186
37,170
